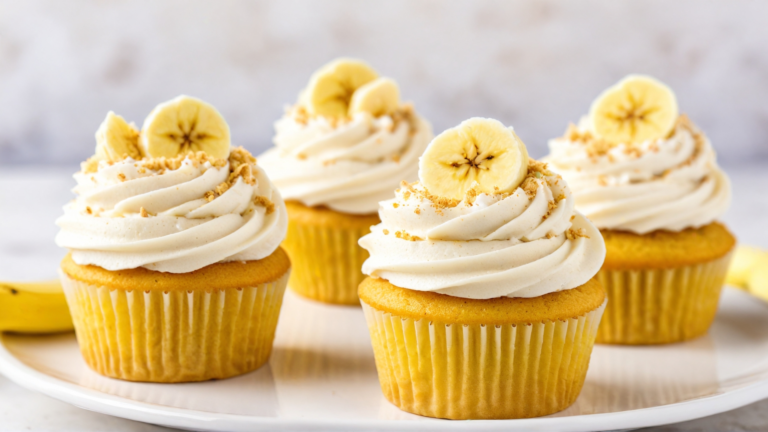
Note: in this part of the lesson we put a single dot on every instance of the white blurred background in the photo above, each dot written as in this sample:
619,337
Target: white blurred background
533,64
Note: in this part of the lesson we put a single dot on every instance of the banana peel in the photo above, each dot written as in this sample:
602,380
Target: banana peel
749,271
34,307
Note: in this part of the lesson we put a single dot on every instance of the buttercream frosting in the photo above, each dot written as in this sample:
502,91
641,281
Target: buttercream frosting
179,218
524,244
347,165
670,183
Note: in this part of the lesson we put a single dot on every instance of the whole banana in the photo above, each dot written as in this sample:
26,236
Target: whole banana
34,307
749,271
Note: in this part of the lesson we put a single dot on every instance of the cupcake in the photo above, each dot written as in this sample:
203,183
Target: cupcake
342,148
481,299
175,271
646,176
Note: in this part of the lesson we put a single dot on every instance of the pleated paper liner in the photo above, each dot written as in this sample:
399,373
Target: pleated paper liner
661,306
174,336
326,261
460,371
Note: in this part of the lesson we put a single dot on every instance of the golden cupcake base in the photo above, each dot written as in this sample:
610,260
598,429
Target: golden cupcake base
176,333
663,287
326,258
661,306
467,369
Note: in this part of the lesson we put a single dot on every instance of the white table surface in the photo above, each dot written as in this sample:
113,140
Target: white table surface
29,203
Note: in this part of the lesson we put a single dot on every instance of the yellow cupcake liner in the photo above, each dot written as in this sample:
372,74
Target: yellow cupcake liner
460,371
662,305
326,261
174,336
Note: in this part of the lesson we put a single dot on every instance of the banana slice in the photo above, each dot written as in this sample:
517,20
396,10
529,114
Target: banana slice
116,139
478,150
331,88
182,125
637,109
379,97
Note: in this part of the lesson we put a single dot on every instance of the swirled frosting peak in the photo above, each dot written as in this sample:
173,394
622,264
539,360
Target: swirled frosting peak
522,244
348,164
671,183
173,215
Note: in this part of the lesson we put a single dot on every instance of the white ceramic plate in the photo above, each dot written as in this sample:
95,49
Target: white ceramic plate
322,377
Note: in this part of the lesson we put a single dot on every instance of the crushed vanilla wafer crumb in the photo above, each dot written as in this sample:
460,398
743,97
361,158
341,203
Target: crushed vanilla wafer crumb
595,146
438,202
299,114
471,195
241,166
573,234
266,202
536,171
530,186
221,188
405,236
551,206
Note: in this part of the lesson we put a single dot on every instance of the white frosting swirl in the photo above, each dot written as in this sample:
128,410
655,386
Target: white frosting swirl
669,184
492,246
348,167
181,231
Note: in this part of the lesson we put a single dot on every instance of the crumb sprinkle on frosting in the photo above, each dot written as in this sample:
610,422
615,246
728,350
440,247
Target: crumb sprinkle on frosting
536,171
405,236
573,234
597,147
265,202
242,165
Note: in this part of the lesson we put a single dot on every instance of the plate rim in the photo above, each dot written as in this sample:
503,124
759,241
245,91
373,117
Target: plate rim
93,400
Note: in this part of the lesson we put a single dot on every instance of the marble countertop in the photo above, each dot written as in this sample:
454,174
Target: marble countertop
32,199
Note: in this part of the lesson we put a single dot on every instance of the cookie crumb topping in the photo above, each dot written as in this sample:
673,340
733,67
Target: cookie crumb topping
597,147
573,234
265,202
405,236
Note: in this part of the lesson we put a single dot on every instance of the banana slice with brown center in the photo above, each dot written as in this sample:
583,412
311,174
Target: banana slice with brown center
182,125
637,109
478,150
